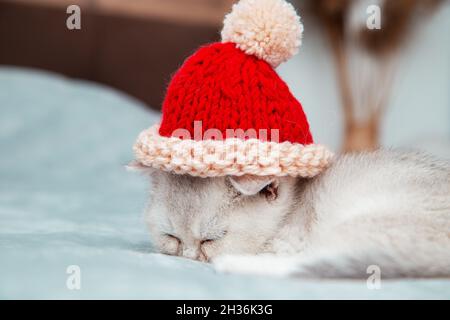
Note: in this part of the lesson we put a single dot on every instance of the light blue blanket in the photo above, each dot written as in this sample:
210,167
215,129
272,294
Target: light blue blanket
66,200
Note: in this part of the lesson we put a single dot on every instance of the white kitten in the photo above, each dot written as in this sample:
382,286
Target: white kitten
387,208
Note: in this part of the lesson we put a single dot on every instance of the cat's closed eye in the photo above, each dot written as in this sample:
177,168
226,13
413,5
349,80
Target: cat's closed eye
213,238
171,236
171,244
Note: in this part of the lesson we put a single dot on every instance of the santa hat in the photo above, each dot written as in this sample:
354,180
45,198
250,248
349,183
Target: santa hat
227,112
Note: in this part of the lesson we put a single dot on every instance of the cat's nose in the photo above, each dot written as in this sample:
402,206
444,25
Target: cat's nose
194,253
190,253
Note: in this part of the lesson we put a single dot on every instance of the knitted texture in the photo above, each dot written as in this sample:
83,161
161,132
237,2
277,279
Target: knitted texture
211,158
227,112
225,88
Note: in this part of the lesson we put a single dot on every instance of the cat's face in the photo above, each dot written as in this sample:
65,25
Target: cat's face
202,218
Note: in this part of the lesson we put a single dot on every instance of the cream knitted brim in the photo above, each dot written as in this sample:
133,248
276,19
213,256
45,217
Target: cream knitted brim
229,157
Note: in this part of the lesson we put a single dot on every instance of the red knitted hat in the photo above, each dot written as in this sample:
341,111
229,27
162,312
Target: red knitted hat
227,112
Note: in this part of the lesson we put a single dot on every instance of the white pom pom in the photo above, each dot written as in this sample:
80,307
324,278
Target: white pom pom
268,29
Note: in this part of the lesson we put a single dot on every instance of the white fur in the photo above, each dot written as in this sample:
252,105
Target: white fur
387,208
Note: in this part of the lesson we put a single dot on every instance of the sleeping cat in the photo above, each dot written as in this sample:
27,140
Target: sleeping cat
386,208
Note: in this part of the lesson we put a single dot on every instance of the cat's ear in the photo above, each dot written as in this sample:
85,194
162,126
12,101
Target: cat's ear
135,166
250,185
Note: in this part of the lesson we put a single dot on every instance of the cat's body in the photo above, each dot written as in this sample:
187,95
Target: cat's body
389,209
384,209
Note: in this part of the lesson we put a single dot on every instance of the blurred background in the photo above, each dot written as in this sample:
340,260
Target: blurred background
360,88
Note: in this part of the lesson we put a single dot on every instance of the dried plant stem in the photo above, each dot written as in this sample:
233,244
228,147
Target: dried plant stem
358,136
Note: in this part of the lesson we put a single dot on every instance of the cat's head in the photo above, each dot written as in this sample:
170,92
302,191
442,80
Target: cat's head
202,218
